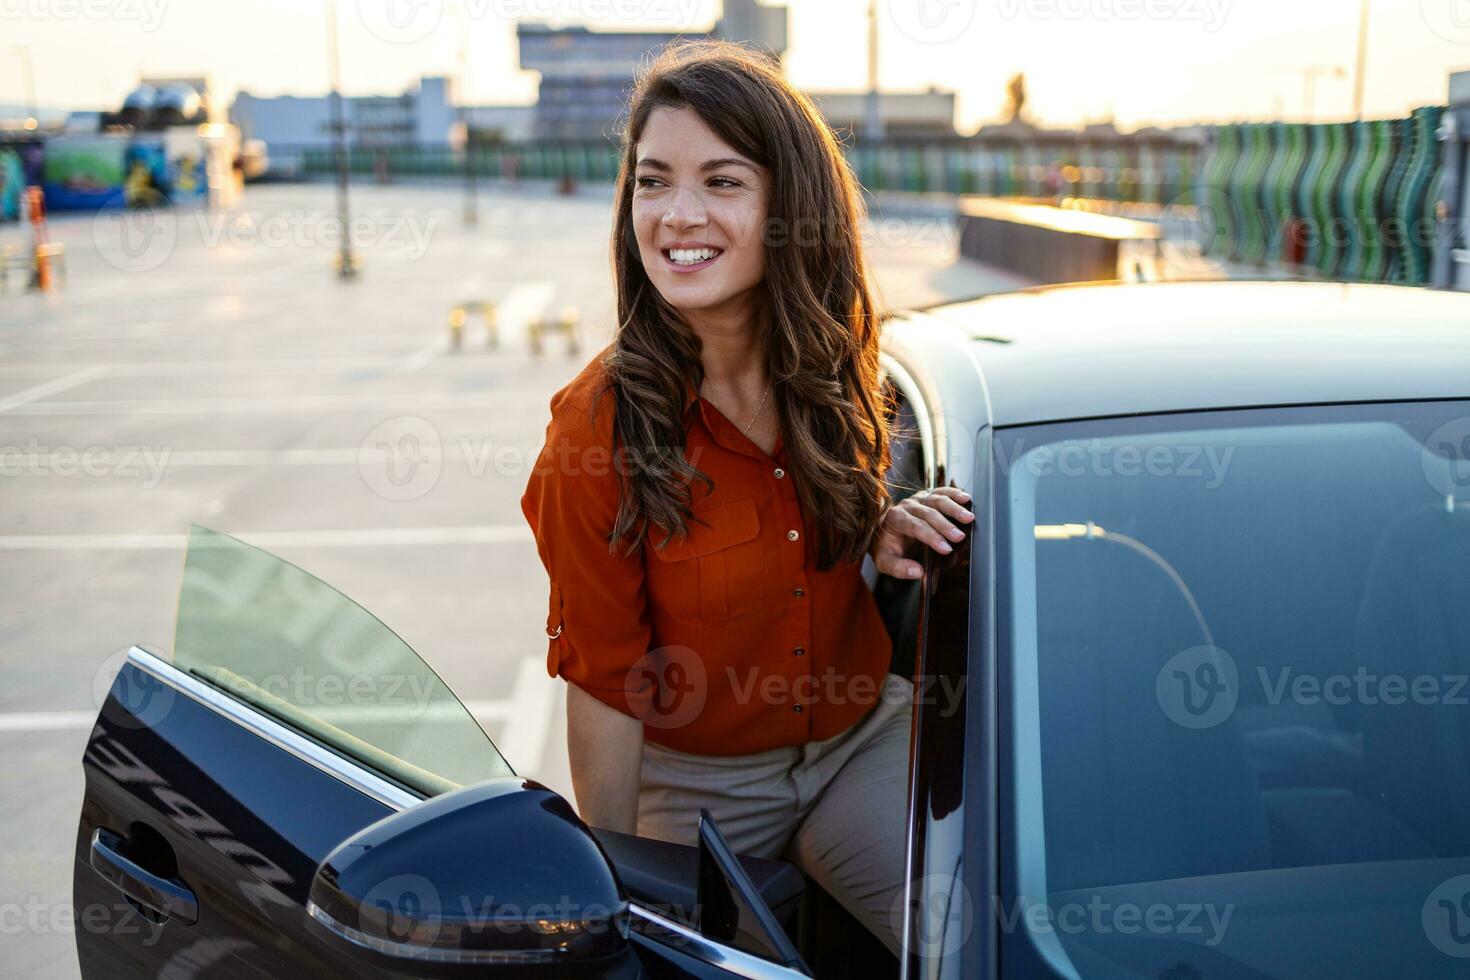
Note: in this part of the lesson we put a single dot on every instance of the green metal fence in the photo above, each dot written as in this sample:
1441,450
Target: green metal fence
1355,202
1349,201
1151,171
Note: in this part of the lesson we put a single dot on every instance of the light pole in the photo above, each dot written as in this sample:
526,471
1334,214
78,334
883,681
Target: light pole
471,192
33,109
1362,60
875,113
346,263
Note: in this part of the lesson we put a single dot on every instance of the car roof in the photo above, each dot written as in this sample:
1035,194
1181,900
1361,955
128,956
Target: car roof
1064,352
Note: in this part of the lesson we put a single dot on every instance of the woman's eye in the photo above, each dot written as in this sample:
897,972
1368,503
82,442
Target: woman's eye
724,182
647,181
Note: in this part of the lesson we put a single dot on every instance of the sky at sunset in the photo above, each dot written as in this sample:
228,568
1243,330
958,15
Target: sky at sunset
1138,61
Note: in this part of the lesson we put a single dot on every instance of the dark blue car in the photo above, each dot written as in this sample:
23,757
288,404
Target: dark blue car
1192,697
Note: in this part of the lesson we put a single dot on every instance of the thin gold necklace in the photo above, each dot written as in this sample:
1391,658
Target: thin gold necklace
760,408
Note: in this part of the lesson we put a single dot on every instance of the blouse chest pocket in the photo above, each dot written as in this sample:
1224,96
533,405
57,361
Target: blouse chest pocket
715,573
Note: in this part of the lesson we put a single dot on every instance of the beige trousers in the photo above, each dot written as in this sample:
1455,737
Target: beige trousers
835,808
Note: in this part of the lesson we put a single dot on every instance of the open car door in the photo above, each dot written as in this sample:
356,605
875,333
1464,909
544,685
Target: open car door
296,793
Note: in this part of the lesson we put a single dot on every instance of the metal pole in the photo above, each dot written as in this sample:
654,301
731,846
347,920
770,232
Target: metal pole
1362,60
471,192
875,114
347,264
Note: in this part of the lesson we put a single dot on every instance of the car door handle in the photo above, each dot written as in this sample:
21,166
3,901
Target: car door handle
165,896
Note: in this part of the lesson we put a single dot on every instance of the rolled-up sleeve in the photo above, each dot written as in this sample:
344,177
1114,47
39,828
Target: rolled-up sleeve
597,624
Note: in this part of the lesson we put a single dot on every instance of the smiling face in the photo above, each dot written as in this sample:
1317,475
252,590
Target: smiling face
697,210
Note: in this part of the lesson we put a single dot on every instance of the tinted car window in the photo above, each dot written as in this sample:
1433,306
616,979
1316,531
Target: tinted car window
1236,648
288,644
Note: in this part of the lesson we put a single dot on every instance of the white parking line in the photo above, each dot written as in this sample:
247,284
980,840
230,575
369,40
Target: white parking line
46,464
524,717
190,369
46,721
28,395
399,403
344,538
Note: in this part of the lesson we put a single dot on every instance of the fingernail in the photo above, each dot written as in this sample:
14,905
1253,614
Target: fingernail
956,534
943,547
915,572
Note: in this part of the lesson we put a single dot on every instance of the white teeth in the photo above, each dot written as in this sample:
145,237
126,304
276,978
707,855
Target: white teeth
690,256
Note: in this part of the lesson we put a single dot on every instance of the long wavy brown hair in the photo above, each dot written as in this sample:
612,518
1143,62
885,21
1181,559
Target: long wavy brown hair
820,316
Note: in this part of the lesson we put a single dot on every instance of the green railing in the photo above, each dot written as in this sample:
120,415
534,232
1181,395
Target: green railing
1145,171
1349,201
1355,202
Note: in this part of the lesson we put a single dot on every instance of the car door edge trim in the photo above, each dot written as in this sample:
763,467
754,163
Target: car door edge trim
735,961
303,748
729,959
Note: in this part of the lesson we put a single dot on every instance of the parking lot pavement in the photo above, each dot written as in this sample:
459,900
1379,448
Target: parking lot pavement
210,369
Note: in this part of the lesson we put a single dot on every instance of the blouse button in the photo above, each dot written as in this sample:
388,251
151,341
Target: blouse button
797,708
800,652
798,592
780,473
792,535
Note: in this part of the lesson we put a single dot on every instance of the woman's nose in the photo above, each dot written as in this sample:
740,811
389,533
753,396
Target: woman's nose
685,210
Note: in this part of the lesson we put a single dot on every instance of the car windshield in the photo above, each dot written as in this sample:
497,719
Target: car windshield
1237,731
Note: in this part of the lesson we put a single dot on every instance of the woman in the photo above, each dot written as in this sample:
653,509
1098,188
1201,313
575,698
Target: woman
708,489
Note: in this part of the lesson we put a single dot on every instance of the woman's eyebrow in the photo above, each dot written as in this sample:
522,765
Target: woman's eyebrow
655,164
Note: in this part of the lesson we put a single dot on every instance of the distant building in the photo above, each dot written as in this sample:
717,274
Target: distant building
927,115
426,114
586,75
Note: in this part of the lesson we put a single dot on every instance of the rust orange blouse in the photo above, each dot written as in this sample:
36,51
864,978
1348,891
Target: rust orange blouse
725,643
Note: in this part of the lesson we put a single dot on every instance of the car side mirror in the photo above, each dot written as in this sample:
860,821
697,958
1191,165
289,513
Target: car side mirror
499,874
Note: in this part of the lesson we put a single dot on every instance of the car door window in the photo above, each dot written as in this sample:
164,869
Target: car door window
287,643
